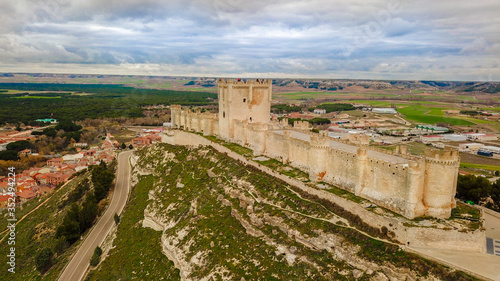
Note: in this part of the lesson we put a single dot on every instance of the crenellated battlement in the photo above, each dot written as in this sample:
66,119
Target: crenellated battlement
407,184
362,151
225,82
256,126
449,154
318,141
301,125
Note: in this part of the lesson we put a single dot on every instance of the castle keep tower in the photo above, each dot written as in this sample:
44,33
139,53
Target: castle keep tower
242,101
408,185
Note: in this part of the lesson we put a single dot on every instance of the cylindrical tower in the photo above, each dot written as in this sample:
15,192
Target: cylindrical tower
441,172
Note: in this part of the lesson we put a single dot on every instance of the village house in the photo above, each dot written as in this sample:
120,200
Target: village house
4,186
41,178
4,200
24,153
39,181
26,195
54,161
57,178
72,158
154,138
80,144
141,141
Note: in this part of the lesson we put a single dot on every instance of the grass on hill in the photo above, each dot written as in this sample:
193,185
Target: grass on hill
36,232
137,253
209,226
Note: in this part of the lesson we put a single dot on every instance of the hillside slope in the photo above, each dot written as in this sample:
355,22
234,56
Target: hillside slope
196,214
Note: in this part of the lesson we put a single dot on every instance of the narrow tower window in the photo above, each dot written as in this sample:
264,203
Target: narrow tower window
244,100
250,119
223,114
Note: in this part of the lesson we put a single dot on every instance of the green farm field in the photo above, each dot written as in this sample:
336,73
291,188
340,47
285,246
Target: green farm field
430,115
480,166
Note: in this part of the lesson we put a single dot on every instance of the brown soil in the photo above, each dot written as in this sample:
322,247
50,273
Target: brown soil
476,159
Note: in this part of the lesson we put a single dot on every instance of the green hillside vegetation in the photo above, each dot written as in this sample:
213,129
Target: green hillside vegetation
137,249
230,221
37,232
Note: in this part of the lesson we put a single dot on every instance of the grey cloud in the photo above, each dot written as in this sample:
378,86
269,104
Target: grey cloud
317,37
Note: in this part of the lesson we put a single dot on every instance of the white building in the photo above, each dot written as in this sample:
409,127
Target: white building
481,137
72,158
431,138
319,111
455,137
432,129
470,147
487,138
490,148
384,110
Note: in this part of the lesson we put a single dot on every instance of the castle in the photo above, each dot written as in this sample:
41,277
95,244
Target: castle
409,185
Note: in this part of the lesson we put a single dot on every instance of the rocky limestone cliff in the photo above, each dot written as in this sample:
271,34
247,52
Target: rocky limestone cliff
222,220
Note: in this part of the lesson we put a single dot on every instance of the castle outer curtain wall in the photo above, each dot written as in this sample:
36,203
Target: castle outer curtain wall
426,237
409,185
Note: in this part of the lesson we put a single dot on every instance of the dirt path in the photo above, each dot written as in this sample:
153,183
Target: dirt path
474,159
287,179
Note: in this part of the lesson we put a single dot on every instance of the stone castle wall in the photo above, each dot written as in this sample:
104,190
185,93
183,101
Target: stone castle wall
408,185
412,236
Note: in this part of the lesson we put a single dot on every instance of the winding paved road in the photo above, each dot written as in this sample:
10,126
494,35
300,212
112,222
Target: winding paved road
76,268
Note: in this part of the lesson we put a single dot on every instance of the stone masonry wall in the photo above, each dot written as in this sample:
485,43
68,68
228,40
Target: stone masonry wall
410,236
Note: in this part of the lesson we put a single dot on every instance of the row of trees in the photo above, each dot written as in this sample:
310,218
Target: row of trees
314,121
333,107
284,108
329,107
13,148
80,218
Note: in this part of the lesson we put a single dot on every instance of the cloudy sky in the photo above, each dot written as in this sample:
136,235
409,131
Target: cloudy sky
374,39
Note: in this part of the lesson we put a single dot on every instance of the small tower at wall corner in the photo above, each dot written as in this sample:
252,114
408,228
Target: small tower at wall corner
440,183
241,100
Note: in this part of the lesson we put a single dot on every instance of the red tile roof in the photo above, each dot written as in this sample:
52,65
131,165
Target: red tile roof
5,197
26,193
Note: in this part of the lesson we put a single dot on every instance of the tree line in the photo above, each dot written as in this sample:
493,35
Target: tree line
104,100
